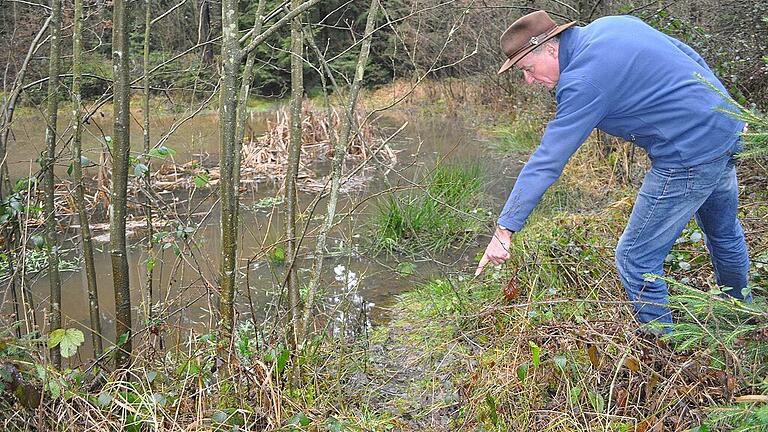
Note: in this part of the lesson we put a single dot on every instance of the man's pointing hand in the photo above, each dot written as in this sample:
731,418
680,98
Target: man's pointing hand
497,251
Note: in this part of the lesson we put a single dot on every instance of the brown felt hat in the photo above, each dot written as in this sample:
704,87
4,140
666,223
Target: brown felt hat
525,34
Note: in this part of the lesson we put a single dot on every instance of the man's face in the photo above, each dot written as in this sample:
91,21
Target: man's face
541,68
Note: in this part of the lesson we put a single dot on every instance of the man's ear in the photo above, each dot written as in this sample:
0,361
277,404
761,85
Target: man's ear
553,50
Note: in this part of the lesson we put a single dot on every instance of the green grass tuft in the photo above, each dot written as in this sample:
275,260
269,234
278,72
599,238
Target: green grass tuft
519,137
445,211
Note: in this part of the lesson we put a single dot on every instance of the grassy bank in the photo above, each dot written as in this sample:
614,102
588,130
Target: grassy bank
561,352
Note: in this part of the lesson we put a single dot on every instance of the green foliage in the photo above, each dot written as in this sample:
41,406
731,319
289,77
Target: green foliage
277,255
674,26
436,298
406,268
17,203
745,417
68,340
730,331
36,260
173,236
535,353
185,73
140,170
756,137
246,341
299,419
713,320
759,272
522,372
268,202
560,362
84,162
227,419
201,179
444,212
162,152
493,411
260,105
279,356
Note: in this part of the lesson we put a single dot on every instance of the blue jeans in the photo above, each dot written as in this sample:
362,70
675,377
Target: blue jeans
667,200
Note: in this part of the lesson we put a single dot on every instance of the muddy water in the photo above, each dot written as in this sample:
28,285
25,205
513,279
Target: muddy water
185,283
198,138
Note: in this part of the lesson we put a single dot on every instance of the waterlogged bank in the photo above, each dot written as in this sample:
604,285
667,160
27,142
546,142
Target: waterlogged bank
562,352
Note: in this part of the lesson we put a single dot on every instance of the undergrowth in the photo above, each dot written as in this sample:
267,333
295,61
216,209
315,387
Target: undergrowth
519,136
562,351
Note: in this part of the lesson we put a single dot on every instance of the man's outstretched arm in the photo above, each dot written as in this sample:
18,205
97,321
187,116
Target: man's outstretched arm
580,108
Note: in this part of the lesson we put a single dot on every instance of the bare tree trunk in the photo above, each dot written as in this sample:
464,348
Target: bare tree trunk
52,243
9,106
340,152
294,157
118,205
229,163
77,171
245,88
245,83
204,32
147,180
25,305
229,156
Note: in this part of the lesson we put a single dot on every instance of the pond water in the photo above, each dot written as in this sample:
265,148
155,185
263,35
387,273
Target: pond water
355,284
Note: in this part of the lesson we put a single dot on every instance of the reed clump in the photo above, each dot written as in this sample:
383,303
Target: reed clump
265,157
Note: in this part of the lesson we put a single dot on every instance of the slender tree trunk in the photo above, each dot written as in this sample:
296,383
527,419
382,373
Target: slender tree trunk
245,83
229,156
120,151
294,157
245,88
52,243
16,322
204,32
77,171
229,162
340,152
26,307
147,179
9,107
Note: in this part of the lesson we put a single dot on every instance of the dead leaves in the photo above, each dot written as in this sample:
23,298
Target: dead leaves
594,356
632,364
512,290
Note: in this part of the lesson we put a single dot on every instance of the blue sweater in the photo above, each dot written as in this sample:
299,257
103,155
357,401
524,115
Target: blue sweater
622,76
